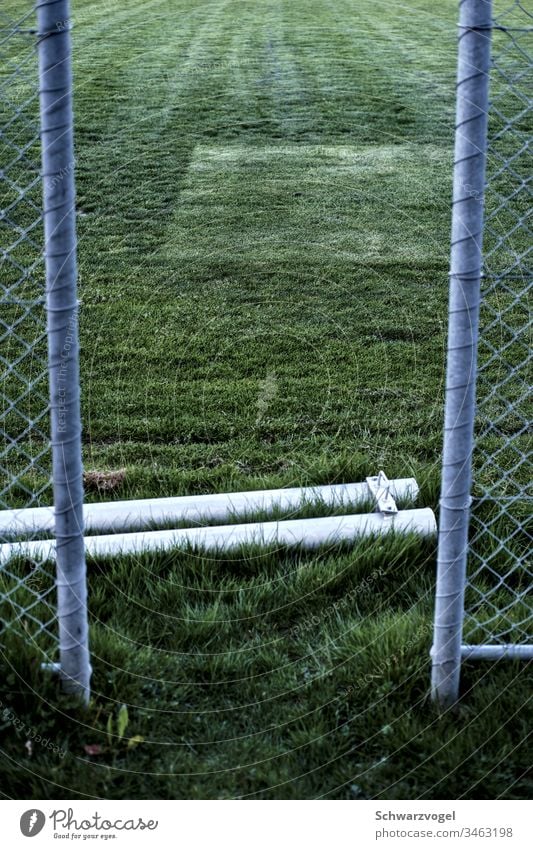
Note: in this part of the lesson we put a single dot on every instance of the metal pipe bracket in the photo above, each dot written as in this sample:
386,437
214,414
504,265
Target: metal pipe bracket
379,486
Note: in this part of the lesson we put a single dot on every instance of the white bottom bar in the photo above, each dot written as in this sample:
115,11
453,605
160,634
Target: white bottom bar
151,512
314,824
497,652
308,533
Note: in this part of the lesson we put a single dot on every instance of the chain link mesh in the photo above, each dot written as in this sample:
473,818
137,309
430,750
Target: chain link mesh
27,588
500,569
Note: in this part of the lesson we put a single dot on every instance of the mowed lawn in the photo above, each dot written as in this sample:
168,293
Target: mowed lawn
264,205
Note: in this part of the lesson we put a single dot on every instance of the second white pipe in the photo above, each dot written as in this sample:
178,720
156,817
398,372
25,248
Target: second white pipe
308,533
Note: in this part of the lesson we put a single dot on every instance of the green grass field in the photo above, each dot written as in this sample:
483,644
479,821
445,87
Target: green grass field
264,206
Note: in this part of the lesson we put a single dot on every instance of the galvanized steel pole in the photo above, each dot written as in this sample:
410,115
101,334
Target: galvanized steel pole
55,84
475,24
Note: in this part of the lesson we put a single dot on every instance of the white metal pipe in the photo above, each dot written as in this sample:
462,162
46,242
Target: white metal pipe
150,512
497,652
308,533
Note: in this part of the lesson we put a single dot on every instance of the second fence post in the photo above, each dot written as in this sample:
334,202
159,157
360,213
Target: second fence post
55,88
475,23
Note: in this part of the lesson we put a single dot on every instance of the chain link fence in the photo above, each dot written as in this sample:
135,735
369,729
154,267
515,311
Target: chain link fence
485,568
42,604
500,567
27,588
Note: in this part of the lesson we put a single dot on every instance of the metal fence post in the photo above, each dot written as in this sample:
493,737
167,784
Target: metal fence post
475,24
55,83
